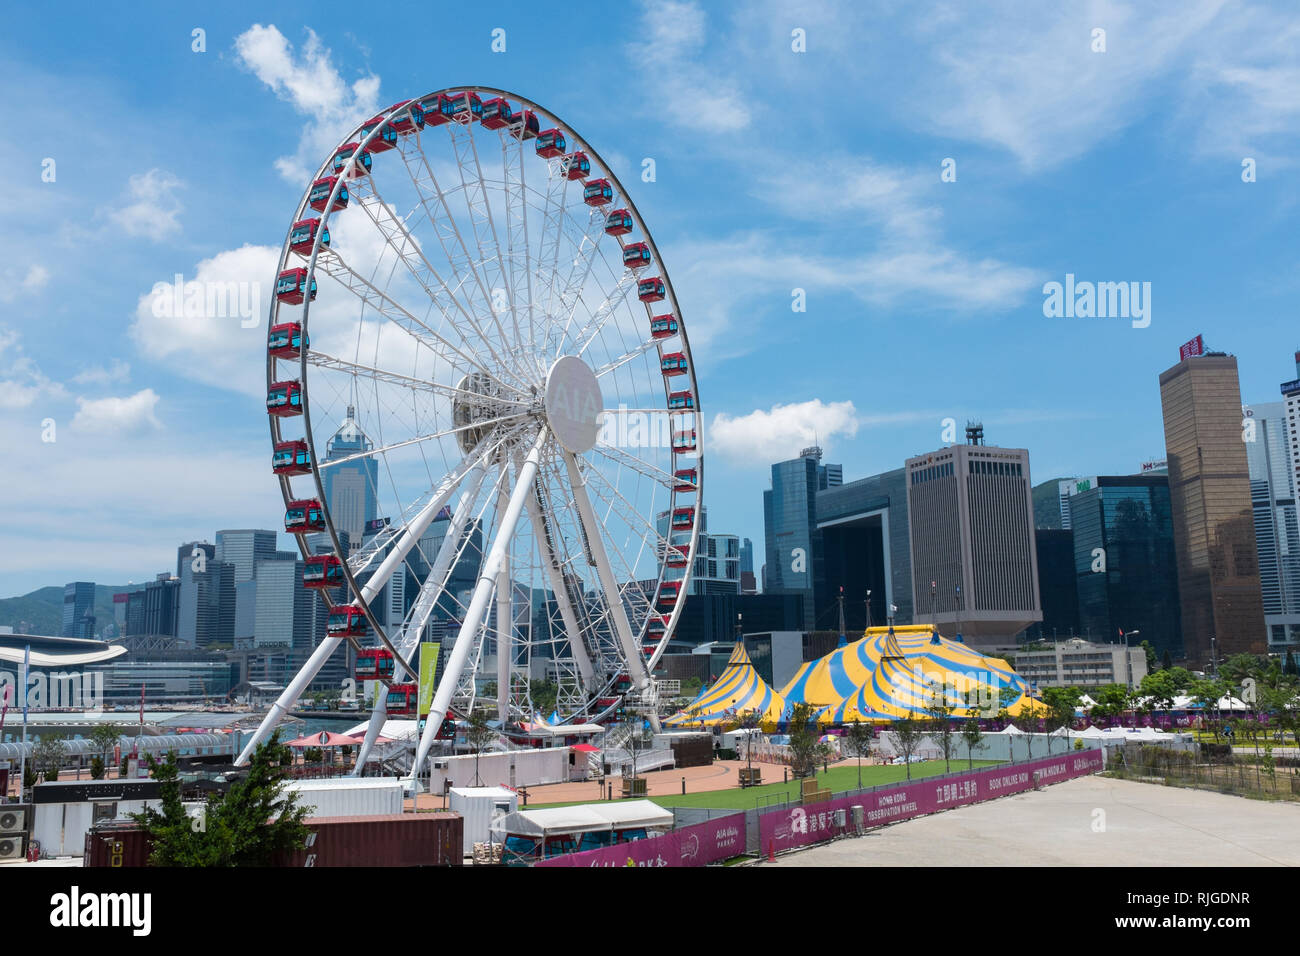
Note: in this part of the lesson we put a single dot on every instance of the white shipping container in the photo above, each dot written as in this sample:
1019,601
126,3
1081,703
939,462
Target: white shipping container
480,806
349,796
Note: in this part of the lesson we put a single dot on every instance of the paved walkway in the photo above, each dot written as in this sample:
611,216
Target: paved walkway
1092,821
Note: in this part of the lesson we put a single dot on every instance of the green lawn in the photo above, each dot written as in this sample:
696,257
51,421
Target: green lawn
837,780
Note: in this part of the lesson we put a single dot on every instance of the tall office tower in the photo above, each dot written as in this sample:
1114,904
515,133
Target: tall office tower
1123,561
793,541
275,616
207,597
162,604
1056,585
974,557
748,583
717,557
350,488
243,548
1209,490
1277,537
79,609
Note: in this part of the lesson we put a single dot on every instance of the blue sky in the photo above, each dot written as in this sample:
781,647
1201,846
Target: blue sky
776,170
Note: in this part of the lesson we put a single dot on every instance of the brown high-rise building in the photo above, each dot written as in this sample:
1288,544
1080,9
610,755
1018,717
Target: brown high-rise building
1209,490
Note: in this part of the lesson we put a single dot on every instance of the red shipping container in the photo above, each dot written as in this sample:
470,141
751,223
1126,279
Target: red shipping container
116,846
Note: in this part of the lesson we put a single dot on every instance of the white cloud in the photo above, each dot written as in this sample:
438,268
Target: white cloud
778,434
311,84
112,374
21,380
154,210
117,415
11,289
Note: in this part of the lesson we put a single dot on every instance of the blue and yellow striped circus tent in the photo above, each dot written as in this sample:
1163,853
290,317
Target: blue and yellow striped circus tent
739,690
894,673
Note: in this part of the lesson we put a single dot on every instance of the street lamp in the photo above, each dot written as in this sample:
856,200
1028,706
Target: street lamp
1128,665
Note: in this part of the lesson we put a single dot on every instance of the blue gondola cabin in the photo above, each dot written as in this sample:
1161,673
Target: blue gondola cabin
347,621
550,143
304,516
291,286
577,165
674,363
651,290
285,340
303,234
598,192
636,255
322,571
663,326
320,194
363,165
291,458
284,399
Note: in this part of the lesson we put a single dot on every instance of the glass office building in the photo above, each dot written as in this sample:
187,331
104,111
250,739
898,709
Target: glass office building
793,540
1124,564
350,489
1277,536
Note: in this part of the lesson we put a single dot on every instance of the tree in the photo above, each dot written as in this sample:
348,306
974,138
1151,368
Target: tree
1153,661
104,738
478,736
748,722
544,695
1028,722
48,756
1112,701
1061,702
96,767
941,729
908,735
1167,661
805,747
973,736
251,825
1006,697
1289,668
857,740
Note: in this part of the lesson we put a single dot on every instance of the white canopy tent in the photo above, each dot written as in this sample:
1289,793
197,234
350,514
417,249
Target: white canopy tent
587,818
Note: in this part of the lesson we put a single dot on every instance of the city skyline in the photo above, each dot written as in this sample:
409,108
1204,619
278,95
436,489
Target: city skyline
942,281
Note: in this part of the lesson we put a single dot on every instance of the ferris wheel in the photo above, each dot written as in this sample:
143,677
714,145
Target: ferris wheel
483,411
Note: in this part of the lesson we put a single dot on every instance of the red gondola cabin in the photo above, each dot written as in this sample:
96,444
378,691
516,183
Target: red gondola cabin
457,105
404,120
403,699
303,234
598,192
303,516
550,143
651,290
679,400
684,442
636,255
320,194
684,479
655,627
577,165
290,458
285,340
322,571
347,620
674,363
683,519
433,111
524,126
663,326
674,558
618,223
345,153
374,663
497,113
291,286
284,399
384,141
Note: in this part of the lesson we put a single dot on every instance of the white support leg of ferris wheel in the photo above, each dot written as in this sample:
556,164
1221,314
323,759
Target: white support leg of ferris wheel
329,645
613,599
505,616
478,603
572,631
434,584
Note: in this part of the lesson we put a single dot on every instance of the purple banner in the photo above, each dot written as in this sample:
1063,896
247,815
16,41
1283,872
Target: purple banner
804,825
697,845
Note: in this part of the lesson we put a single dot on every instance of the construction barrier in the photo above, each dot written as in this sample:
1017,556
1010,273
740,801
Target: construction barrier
697,845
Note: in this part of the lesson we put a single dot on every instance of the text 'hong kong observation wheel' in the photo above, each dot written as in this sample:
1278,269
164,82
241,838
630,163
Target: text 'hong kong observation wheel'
483,413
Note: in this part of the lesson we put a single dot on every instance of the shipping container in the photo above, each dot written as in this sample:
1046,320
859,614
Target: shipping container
408,839
349,796
404,839
480,807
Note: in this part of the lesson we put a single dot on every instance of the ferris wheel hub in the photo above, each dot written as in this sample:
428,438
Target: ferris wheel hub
573,403
479,402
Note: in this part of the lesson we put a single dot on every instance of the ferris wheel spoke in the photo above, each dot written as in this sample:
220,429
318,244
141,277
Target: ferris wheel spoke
517,246
356,369
434,436
434,200
407,251
608,306
623,359
635,463
478,603
538,510
333,265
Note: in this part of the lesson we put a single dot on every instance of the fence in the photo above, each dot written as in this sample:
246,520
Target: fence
697,845
1236,773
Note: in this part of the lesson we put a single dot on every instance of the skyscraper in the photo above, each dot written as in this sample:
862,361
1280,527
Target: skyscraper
1277,536
1209,490
793,541
974,557
79,609
350,487
243,548
207,597
717,557
1123,562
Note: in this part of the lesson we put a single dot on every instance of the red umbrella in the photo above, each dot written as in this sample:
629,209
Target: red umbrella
585,748
325,738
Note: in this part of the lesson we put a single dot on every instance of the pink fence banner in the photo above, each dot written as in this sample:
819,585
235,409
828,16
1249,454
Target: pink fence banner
697,845
805,825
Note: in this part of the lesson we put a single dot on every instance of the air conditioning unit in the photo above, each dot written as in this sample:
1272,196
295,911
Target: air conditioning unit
12,820
11,847
440,765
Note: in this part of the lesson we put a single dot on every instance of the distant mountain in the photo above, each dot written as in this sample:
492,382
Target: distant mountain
42,609
1047,504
